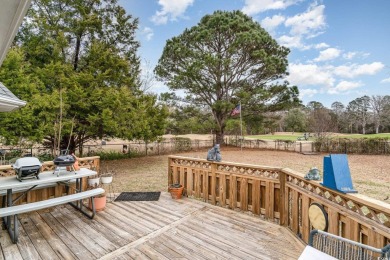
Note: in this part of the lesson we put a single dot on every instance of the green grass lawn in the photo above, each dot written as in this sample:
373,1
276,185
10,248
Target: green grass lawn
291,137
294,137
386,135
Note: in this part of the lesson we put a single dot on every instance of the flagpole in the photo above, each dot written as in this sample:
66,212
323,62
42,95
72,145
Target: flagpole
242,138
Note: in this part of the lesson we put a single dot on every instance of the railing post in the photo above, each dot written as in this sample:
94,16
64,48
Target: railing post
170,179
283,198
213,182
96,164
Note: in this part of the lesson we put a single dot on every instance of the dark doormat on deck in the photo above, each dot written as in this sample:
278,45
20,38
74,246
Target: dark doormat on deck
138,196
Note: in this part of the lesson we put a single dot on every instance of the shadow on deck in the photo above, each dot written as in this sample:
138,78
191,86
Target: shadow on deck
164,229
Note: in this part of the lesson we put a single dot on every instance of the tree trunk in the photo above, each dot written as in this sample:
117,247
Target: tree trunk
220,131
81,146
219,135
77,52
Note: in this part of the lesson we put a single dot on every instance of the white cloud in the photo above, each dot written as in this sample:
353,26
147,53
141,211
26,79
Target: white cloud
310,74
253,7
170,10
328,54
307,92
291,41
345,86
270,23
303,26
353,70
349,55
385,80
355,54
321,45
309,23
148,33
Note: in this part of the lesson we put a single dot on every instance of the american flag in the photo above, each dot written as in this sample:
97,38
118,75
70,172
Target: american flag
236,110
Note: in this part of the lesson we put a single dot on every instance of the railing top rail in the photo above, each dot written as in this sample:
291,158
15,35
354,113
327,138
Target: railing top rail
354,197
227,163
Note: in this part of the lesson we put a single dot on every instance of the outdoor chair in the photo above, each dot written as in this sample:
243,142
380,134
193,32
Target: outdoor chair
345,249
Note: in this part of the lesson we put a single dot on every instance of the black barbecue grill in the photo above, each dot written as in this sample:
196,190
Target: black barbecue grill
27,168
63,161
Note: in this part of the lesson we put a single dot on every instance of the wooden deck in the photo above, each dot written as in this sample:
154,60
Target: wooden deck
164,229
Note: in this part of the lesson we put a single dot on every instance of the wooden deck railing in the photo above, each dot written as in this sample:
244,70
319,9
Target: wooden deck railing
49,192
282,196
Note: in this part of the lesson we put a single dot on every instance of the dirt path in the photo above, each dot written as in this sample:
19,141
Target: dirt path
370,173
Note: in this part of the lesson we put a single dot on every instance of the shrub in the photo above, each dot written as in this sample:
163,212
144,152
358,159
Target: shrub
351,145
182,144
45,157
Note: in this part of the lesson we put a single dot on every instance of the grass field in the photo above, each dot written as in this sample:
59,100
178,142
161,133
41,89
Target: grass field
294,136
290,137
385,135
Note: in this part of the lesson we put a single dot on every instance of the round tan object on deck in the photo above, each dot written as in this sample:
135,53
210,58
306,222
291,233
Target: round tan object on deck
318,217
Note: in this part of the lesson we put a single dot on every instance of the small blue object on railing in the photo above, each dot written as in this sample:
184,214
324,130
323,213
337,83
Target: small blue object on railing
336,173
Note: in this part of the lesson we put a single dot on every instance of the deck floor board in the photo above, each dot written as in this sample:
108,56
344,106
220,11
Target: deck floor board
163,229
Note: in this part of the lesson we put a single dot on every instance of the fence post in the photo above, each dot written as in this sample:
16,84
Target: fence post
300,147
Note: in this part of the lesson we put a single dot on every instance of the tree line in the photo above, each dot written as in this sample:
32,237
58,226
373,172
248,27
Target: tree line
363,115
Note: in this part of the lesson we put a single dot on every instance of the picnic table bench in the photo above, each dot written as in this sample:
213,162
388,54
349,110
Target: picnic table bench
46,179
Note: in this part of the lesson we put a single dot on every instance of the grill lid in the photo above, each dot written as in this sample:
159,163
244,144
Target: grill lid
64,160
26,161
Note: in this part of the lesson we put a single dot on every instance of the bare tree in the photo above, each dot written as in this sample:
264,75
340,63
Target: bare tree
147,77
321,122
339,110
378,104
359,112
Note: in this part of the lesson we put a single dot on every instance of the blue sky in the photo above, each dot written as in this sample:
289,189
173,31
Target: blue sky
339,49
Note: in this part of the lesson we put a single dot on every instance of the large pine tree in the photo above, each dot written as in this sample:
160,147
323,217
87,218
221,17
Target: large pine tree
226,59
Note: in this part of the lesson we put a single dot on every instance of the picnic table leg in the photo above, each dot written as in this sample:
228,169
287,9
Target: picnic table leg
7,220
9,203
13,233
14,237
79,204
80,208
80,190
